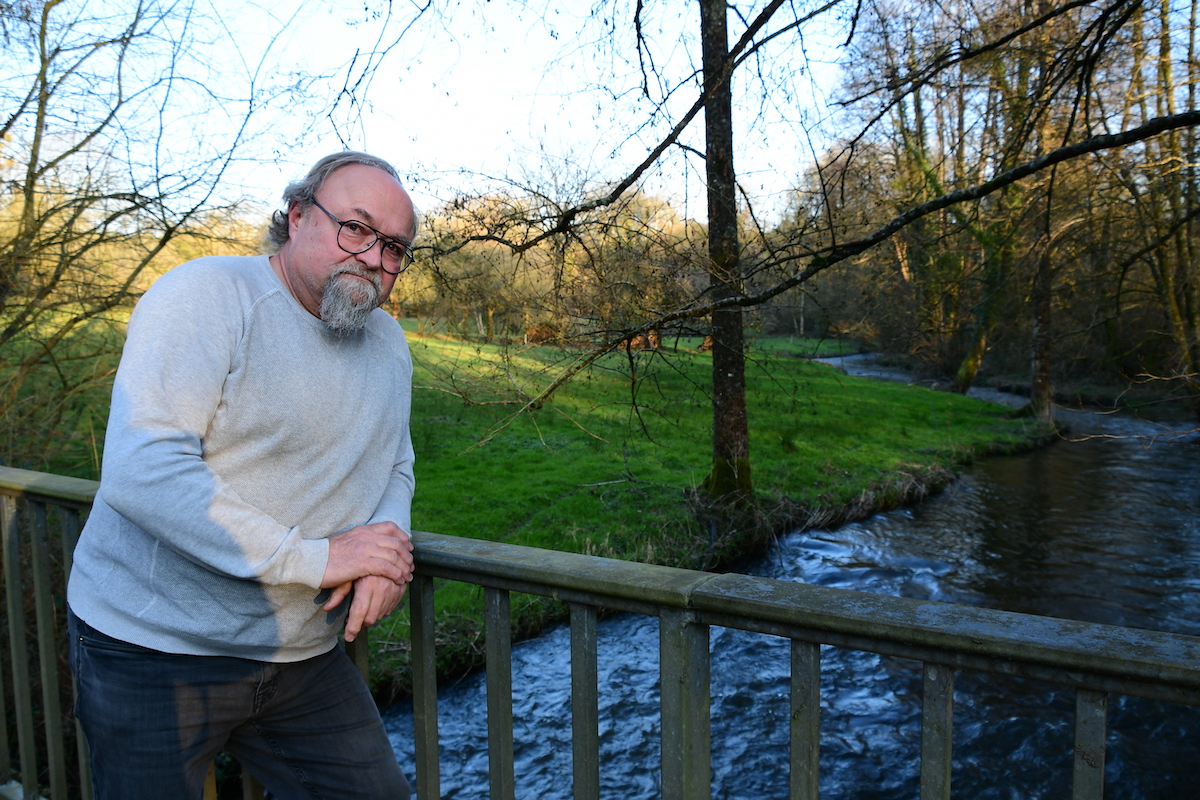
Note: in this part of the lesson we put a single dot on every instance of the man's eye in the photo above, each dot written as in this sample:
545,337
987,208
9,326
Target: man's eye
355,228
395,250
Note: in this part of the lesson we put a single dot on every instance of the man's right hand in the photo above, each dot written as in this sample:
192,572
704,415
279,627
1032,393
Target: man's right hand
381,549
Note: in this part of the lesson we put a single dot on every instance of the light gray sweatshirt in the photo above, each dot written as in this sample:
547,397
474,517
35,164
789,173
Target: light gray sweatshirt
242,433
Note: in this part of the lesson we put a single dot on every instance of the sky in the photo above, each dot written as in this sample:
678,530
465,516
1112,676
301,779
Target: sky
494,90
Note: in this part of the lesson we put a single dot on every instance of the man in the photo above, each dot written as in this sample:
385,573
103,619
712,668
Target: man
254,498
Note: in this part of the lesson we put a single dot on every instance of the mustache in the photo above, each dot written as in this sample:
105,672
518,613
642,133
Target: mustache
371,275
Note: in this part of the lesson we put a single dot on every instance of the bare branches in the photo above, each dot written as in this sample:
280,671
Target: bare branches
835,255
747,45
363,66
822,257
1092,144
112,171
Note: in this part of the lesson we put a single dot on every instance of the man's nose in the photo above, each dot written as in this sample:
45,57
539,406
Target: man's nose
372,257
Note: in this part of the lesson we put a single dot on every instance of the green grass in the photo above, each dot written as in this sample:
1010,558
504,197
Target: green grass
772,346
608,464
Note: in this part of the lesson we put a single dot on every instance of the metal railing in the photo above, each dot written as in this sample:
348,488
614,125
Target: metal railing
1093,659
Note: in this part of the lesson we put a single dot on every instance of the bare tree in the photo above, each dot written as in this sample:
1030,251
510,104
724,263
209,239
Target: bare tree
117,133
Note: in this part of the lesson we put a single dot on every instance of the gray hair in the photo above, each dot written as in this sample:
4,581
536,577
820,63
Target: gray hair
305,191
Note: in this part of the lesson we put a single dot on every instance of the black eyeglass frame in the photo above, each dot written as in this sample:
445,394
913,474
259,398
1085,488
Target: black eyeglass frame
406,260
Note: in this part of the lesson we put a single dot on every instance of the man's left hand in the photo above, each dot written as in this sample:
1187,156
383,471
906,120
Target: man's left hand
374,599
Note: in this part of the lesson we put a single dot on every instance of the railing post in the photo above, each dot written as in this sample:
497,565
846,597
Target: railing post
1091,722
937,732
18,652
684,679
7,519
47,633
359,652
424,669
585,704
69,526
498,635
805,752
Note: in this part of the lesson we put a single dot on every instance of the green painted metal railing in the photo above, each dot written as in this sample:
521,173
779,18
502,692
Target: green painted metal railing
1094,659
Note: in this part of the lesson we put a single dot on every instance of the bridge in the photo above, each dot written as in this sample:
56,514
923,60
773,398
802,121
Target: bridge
41,517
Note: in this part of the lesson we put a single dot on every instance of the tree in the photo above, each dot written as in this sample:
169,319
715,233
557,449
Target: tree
1002,268
1161,185
730,474
114,149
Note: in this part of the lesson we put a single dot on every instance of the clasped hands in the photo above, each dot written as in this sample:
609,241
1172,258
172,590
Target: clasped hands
375,561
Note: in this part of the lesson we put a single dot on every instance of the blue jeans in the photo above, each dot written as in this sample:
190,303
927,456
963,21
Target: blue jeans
155,721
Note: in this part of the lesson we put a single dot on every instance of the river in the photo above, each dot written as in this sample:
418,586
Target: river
1103,528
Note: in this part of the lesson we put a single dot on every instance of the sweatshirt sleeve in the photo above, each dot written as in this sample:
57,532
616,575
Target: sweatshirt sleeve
181,342
396,503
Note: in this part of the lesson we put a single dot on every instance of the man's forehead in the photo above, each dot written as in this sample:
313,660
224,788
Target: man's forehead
356,191
367,217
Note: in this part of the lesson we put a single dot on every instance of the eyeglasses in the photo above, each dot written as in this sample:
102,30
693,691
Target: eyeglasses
359,237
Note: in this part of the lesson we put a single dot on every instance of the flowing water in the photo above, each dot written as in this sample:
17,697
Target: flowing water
1103,530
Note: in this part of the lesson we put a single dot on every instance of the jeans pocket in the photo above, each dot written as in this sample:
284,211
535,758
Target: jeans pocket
95,641
87,638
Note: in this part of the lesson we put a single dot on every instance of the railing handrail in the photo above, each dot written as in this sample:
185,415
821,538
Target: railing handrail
46,486
1143,662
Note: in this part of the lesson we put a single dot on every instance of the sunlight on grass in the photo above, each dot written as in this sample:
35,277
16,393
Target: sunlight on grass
606,465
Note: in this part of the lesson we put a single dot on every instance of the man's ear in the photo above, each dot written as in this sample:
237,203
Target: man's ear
295,212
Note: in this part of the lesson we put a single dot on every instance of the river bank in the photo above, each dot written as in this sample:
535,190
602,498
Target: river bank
611,468
1160,400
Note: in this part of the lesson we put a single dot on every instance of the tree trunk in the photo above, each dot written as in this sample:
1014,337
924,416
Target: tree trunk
1041,397
968,368
730,476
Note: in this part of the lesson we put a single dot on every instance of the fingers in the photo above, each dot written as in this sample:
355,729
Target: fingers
380,549
390,529
337,596
354,620
403,540
374,599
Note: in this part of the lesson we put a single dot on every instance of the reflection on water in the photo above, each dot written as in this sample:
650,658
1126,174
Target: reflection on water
1104,531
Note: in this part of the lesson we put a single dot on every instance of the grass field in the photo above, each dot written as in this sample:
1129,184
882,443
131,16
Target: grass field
608,465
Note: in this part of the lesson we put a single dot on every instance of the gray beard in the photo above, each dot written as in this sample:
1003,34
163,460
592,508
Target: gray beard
339,308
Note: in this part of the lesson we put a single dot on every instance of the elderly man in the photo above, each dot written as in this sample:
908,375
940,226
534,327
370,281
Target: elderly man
255,495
